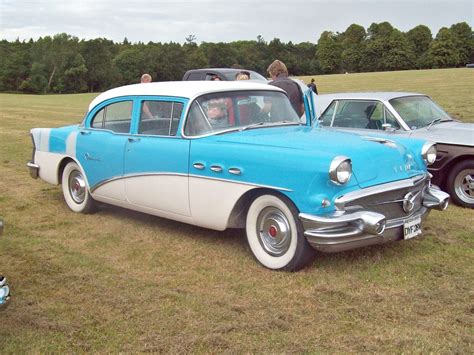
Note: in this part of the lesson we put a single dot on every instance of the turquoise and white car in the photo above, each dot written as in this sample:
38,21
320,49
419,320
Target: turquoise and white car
235,155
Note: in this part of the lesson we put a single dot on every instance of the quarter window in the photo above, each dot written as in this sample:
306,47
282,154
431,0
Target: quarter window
160,118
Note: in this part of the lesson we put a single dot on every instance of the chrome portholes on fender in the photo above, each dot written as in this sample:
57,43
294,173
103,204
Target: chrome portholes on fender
75,191
275,234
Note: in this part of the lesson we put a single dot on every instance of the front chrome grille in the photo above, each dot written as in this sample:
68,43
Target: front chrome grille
388,201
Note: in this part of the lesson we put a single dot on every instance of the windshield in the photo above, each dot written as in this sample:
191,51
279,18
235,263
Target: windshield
418,111
227,111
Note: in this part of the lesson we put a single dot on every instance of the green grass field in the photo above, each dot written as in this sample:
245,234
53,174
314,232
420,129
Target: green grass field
123,281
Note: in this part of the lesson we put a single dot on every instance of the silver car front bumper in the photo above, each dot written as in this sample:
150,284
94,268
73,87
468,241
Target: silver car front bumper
362,225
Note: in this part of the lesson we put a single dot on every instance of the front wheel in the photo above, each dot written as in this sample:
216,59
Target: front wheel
275,234
75,191
460,183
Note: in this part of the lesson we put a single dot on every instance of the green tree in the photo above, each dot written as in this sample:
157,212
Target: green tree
329,50
98,56
74,78
353,45
420,39
464,41
15,59
130,64
443,51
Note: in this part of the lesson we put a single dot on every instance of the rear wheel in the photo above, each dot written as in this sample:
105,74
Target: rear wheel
460,183
75,191
275,234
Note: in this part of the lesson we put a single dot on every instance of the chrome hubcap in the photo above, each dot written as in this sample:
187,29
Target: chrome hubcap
464,185
273,231
77,186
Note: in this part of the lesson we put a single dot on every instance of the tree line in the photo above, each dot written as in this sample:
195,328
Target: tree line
64,64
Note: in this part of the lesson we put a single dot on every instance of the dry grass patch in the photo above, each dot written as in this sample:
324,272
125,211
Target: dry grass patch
123,281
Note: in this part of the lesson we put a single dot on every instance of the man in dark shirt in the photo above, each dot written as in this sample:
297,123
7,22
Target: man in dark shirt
313,87
279,74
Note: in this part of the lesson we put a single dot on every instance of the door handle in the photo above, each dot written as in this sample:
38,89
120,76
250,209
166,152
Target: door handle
216,168
199,166
85,133
132,139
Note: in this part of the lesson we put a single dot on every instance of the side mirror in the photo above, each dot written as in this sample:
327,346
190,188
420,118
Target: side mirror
388,127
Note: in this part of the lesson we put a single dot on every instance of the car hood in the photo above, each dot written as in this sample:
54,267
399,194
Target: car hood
454,132
374,160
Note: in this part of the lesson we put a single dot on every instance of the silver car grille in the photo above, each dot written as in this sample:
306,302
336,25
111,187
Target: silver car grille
389,202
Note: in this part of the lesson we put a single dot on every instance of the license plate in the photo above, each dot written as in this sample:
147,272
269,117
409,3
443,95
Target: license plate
412,228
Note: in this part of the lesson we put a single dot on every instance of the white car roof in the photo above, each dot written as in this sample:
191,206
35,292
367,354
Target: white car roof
185,89
382,95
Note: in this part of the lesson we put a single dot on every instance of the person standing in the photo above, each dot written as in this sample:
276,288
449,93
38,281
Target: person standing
312,86
279,74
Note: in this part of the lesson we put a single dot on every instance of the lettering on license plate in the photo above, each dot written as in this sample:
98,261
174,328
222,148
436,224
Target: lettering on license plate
412,228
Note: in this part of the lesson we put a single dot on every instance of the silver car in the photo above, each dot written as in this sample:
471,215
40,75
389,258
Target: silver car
415,116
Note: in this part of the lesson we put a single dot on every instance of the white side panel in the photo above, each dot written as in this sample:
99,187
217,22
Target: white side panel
49,164
41,138
125,204
71,144
160,192
114,190
212,201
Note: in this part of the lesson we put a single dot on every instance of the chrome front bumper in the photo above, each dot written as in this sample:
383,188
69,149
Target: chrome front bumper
345,230
34,169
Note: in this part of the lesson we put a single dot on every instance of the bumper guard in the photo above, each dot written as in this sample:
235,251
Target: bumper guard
344,230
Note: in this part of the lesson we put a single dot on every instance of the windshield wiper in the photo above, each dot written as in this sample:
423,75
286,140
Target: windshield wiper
437,120
264,123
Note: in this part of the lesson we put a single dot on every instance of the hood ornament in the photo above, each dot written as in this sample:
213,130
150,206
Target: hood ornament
384,141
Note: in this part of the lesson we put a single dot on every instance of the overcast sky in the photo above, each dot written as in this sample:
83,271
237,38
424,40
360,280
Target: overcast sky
219,20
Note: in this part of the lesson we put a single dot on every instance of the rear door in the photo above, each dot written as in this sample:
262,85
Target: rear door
157,157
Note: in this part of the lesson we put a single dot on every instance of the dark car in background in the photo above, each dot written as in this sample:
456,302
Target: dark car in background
224,74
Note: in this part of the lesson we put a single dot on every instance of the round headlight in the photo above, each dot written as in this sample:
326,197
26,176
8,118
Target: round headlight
429,153
340,170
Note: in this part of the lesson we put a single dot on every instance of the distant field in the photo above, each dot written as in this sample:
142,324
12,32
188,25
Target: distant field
124,281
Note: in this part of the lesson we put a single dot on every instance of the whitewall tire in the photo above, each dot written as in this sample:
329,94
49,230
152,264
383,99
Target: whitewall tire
275,234
75,189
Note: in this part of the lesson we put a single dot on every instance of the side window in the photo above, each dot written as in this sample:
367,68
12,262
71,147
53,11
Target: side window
160,118
359,114
115,117
326,117
195,76
118,116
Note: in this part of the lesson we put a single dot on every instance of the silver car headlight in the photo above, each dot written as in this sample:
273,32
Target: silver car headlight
429,152
340,170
